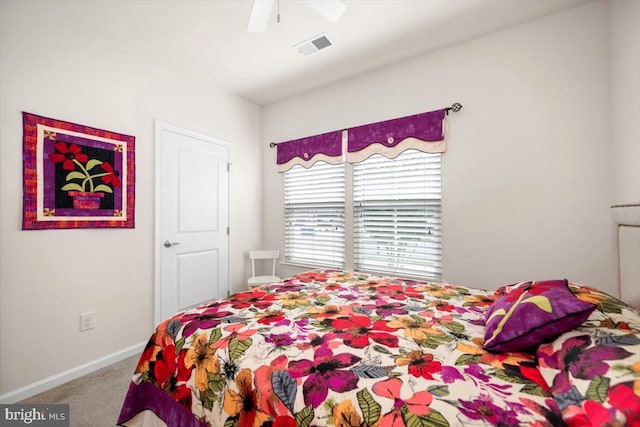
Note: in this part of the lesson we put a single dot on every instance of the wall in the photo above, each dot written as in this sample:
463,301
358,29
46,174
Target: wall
55,63
527,176
625,100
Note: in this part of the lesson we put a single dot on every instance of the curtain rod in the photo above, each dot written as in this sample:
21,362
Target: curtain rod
455,107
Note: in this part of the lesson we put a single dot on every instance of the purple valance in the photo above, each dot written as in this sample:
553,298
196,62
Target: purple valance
423,132
307,151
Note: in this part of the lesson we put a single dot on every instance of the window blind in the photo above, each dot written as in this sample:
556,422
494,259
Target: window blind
397,215
314,215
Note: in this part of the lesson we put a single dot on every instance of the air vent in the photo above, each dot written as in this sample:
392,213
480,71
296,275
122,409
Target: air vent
313,45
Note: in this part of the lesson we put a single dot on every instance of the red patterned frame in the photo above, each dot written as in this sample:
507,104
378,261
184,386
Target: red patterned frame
46,170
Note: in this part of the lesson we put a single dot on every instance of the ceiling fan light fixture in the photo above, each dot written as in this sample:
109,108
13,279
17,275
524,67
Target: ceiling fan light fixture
260,13
330,9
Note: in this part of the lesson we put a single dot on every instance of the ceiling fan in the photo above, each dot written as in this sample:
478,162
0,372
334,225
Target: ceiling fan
261,11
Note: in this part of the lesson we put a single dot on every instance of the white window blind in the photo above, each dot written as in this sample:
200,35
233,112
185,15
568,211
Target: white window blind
397,215
314,215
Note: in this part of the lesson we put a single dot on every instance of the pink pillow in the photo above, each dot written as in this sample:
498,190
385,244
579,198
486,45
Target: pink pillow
529,313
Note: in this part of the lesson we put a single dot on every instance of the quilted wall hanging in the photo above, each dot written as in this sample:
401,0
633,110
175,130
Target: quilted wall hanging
76,176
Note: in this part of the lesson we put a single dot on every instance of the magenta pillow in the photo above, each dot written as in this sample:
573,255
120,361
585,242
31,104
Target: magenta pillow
529,313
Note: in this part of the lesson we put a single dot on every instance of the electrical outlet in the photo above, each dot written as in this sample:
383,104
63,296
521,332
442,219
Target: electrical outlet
87,321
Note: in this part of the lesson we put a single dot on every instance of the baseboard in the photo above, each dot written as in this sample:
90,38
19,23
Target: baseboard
70,374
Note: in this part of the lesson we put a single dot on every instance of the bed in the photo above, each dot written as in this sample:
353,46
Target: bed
353,349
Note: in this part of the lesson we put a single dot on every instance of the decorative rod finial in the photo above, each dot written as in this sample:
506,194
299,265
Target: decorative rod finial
456,107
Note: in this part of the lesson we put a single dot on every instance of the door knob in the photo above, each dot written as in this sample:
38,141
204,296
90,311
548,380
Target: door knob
168,244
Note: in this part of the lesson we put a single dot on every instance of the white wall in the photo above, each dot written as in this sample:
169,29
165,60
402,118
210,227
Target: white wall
56,64
625,99
527,176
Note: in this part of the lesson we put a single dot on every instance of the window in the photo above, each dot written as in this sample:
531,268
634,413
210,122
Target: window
397,215
396,223
314,215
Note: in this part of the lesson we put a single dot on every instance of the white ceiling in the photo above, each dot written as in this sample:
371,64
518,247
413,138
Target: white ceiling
210,36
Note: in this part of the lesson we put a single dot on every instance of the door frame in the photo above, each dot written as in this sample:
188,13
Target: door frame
159,126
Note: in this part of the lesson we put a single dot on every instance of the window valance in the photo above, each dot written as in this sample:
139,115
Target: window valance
307,151
423,132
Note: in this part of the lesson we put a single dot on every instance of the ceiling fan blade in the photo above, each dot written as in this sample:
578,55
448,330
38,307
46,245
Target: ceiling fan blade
330,9
260,13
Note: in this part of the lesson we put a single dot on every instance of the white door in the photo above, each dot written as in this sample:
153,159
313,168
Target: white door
192,219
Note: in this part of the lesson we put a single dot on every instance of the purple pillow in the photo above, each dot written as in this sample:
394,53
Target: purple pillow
531,312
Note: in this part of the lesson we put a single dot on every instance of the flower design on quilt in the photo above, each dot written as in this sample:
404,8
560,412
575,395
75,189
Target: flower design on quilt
270,317
329,311
356,331
345,415
171,374
235,332
279,343
437,290
291,300
257,298
243,404
326,371
264,377
384,308
418,330
419,364
398,292
575,358
418,404
314,340
203,357
442,306
207,319
626,398
550,411
312,276
477,301
483,408
286,287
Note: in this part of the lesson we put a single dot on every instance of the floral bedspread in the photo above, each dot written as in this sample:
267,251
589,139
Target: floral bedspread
351,349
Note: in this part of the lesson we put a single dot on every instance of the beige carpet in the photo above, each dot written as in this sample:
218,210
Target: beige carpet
95,399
